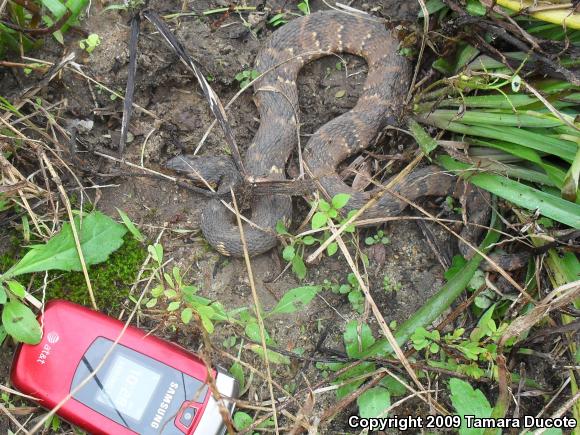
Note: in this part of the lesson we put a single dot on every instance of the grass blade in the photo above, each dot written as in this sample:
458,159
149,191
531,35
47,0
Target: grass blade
563,149
551,206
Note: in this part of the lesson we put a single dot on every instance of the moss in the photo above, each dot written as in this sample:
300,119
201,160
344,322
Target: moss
111,280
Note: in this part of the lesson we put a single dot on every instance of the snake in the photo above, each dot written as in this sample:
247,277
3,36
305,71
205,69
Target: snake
381,103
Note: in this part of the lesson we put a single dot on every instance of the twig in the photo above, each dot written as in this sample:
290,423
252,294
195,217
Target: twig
257,306
421,49
130,88
215,104
12,418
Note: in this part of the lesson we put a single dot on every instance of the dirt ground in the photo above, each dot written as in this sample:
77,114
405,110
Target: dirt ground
224,46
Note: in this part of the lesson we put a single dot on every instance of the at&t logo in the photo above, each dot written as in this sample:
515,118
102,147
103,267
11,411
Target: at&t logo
52,338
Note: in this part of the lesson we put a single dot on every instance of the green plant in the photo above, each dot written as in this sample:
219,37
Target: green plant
358,338
99,236
111,279
45,16
304,7
53,423
293,253
181,296
246,76
351,289
293,300
282,17
243,420
476,349
486,297
326,213
468,401
90,43
390,285
278,20
529,132
379,237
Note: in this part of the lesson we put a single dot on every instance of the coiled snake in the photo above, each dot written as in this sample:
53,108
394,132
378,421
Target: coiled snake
282,57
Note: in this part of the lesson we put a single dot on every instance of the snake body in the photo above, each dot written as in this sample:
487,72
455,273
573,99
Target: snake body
276,95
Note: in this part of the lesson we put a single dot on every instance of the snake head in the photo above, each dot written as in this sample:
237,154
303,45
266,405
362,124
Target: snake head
219,172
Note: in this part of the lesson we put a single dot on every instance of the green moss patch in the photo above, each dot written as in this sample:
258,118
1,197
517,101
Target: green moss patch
111,280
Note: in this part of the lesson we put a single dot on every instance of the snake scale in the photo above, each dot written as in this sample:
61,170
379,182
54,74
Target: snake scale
282,57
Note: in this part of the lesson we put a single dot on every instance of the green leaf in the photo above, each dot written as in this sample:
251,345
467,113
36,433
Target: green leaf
359,370
323,205
157,291
156,252
273,357
394,386
474,7
354,342
540,142
242,420
119,6
16,288
281,228
477,280
521,195
186,315
425,141
288,253
308,240
432,7
205,314
340,200
299,267
237,372
295,299
99,236
276,18
331,249
373,402
131,226
151,303
468,401
457,263
173,306
20,322
55,7
570,187
3,295
304,7
169,293
253,332
318,220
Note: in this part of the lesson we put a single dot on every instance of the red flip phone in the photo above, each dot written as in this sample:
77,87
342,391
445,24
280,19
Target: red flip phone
146,386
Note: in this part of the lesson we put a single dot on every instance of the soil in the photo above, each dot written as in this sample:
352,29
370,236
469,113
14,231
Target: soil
224,46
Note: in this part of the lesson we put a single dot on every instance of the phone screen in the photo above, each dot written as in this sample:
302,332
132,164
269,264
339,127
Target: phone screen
128,386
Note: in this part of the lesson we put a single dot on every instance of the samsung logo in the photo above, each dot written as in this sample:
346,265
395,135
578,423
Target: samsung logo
164,405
